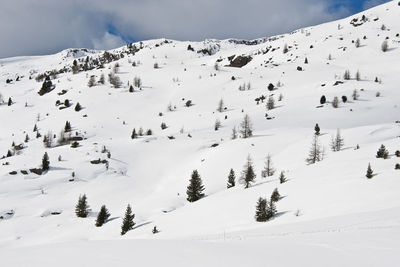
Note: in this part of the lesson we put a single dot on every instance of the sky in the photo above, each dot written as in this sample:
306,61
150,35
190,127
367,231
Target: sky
37,27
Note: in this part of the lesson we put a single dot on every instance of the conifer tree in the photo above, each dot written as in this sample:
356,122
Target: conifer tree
155,230
317,129
248,174
45,162
9,154
282,178
92,81
26,138
231,179
275,196
67,127
246,127
337,142
382,152
82,208
270,103
261,210
102,217
195,189
134,134
322,100
102,80
127,223
370,172
271,210
78,107
10,102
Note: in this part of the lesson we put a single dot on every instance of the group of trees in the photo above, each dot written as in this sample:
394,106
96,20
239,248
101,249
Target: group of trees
140,132
82,210
266,210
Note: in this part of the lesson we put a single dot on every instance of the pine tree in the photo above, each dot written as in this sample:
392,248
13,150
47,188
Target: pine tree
231,179
34,128
246,127
275,195
102,80
9,154
45,162
10,102
82,208
317,129
78,107
155,230
134,134
261,210
270,103
92,81
268,169
248,173
282,178
347,75
370,172
271,210
103,216
127,223
337,142
67,127
382,152
26,138
195,189
322,100
358,76
316,153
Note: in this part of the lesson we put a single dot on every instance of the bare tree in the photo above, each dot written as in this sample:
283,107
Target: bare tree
220,105
246,127
217,124
268,168
316,153
355,94
335,102
337,142
385,46
234,133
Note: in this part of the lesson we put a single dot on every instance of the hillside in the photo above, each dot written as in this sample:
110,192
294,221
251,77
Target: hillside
328,209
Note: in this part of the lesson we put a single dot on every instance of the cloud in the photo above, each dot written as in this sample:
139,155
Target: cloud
29,27
108,41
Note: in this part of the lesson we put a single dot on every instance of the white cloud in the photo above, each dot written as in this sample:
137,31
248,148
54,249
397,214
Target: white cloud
108,41
46,26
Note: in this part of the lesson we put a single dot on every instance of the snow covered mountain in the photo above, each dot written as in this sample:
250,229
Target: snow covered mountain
329,213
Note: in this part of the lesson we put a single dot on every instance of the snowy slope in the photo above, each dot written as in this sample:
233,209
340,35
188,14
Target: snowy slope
336,202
